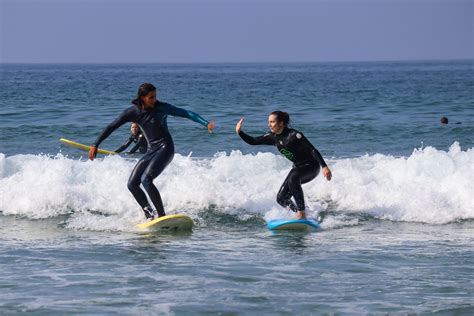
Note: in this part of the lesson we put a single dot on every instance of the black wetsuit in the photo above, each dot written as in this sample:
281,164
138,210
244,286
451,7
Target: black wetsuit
140,144
153,124
307,162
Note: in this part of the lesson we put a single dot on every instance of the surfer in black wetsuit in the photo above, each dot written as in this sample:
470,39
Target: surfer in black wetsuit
151,115
136,137
307,160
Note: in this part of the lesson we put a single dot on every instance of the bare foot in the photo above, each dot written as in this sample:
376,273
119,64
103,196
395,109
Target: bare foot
300,215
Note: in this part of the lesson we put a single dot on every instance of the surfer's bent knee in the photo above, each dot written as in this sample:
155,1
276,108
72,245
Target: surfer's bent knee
147,181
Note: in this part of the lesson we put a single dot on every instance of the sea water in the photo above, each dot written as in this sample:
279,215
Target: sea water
398,216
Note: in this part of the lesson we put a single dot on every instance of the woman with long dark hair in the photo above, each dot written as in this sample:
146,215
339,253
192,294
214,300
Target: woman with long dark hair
151,115
292,144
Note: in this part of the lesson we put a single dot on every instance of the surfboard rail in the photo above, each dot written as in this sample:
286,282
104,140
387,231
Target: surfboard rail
176,222
293,224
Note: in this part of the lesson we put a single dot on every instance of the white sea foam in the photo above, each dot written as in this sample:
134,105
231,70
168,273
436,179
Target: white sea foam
430,186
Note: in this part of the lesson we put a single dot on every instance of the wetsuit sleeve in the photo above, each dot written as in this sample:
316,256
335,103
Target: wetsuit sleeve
124,146
175,111
314,152
317,155
135,148
266,139
123,118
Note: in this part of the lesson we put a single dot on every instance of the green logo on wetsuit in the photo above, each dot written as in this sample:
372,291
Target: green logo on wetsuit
288,154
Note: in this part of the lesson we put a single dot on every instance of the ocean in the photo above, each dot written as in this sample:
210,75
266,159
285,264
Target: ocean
397,234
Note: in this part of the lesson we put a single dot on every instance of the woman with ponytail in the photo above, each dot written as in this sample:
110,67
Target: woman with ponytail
306,159
151,115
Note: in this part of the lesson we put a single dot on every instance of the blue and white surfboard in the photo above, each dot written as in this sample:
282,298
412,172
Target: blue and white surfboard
293,224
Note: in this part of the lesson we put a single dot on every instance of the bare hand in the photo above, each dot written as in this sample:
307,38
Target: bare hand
238,127
210,126
327,173
92,152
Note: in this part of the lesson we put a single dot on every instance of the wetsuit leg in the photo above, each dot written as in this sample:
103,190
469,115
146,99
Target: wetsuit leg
292,186
135,180
161,158
284,195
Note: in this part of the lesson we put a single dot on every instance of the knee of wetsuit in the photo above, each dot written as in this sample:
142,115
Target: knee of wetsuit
285,202
147,182
132,185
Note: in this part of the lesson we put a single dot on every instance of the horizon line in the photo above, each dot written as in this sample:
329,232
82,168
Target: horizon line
232,62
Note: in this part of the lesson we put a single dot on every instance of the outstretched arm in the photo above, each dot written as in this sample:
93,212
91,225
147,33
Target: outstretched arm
134,149
126,116
266,139
175,111
124,146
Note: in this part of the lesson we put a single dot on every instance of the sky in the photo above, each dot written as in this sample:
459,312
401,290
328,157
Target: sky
193,31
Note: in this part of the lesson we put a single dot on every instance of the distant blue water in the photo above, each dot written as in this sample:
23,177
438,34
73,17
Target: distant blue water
399,212
346,109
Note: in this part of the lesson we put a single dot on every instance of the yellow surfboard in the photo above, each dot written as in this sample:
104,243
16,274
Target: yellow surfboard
169,223
85,147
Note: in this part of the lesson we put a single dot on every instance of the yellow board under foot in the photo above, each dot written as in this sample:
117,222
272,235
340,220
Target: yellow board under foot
85,147
177,222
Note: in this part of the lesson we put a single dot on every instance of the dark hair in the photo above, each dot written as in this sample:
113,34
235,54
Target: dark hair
282,117
143,90
444,120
